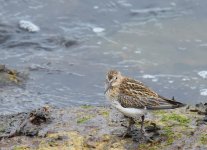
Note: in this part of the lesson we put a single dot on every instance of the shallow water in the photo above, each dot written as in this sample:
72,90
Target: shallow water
161,43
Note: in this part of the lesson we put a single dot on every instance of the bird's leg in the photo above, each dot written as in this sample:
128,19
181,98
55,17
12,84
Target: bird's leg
142,124
131,122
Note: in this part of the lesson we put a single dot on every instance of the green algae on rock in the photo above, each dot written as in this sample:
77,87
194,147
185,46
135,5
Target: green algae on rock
83,119
179,118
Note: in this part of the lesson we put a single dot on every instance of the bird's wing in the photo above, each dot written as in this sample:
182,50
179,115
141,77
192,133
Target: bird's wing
148,103
136,95
139,102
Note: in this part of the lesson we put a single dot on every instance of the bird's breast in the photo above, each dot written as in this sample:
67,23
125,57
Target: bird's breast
112,94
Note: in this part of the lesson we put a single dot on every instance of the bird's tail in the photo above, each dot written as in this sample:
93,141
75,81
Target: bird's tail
173,102
167,104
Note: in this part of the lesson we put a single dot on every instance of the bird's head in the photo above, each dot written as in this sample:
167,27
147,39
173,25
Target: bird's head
113,78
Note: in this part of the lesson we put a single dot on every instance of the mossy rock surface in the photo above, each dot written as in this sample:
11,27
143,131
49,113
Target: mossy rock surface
89,127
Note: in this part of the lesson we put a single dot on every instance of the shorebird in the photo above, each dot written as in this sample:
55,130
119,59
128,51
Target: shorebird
133,98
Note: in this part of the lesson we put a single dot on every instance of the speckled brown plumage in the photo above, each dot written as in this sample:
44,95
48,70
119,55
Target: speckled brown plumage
134,94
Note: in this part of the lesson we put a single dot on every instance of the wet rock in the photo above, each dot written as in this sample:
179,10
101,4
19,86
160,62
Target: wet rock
2,67
11,77
150,11
27,124
70,43
62,41
200,108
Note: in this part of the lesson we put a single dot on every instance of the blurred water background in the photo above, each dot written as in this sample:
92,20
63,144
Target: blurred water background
162,43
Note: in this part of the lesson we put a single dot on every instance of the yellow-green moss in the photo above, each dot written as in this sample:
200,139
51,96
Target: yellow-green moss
203,139
181,119
104,113
13,78
169,134
21,148
83,119
159,112
73,142
9,76
76,141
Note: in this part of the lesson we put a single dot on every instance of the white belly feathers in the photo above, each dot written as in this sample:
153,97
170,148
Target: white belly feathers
130,112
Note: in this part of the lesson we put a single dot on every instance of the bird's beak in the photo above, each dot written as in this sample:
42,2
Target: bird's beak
108,86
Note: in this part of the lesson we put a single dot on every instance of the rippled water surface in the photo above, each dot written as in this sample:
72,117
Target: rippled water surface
162,43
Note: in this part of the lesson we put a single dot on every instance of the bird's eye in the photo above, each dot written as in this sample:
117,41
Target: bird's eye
116,78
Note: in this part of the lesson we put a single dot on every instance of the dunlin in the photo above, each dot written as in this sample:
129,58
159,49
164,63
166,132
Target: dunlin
133,98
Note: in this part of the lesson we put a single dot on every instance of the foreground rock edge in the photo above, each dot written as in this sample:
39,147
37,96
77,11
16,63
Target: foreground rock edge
88,127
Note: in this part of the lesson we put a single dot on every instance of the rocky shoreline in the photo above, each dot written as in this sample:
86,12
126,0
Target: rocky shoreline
89,127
